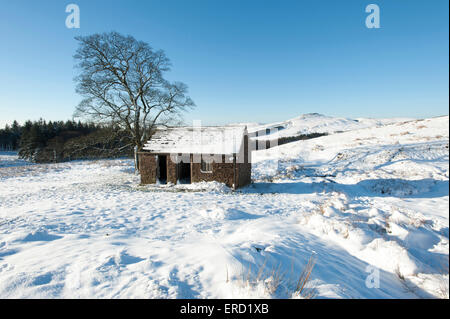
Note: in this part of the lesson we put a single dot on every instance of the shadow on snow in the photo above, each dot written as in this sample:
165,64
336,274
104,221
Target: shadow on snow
424,188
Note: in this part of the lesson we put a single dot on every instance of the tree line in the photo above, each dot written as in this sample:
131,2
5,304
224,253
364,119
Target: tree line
57,141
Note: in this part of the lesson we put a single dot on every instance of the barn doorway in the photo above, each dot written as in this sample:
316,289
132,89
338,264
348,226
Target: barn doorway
184,173
162,169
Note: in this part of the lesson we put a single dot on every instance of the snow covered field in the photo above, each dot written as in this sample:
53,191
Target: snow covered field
365,204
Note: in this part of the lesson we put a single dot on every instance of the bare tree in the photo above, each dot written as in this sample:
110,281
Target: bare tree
121,81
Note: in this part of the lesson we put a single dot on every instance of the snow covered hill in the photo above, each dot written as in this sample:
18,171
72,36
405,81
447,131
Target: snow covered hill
369,205
317,123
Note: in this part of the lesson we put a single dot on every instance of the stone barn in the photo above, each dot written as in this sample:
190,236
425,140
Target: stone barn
195,154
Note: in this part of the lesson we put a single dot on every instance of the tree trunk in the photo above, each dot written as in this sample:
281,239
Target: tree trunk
136,160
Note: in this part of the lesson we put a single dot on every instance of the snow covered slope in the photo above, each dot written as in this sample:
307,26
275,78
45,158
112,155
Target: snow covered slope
369,205
390,180
318,123
8,159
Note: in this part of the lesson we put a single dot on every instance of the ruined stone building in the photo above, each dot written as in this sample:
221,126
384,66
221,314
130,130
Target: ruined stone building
191,154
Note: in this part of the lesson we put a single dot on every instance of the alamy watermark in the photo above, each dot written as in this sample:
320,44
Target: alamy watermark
373,279
73,19
373,19
217,149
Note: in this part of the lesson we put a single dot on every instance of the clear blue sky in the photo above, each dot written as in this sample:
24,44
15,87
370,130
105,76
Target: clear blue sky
243,60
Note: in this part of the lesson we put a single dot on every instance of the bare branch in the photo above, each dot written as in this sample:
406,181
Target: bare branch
121,80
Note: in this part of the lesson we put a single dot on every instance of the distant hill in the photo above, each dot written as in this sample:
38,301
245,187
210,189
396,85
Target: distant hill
313,123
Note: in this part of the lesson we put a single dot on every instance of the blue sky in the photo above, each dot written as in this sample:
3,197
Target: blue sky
243,60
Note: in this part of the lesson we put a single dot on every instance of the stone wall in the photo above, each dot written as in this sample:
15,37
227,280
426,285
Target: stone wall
231,173
172,171
147,168
244,174
221,172
245,169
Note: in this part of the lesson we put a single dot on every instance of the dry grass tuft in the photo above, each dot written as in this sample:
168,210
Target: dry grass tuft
274,280
322,209
304,278
444,284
